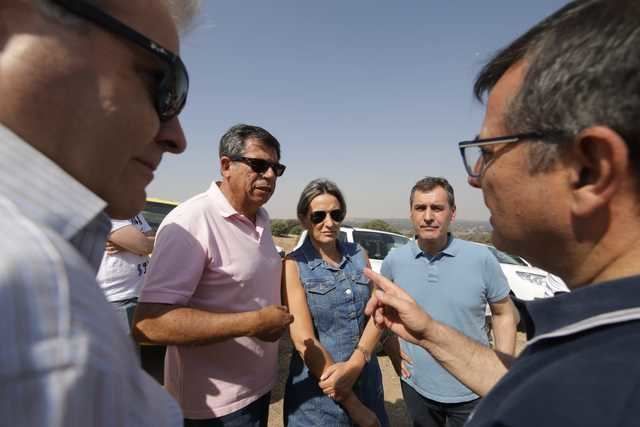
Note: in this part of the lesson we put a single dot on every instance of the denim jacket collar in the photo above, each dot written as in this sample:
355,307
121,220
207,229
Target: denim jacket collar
313,258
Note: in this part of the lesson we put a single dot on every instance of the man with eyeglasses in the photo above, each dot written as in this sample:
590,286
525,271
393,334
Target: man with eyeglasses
212,291
89,107
558,163
455,281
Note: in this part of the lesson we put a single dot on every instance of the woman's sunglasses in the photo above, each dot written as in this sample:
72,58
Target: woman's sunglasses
260,165
317,217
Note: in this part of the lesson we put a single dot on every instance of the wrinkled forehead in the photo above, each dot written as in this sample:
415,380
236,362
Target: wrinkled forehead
152,18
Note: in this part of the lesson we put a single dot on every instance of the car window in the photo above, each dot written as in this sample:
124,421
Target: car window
378,245
154,212
504,258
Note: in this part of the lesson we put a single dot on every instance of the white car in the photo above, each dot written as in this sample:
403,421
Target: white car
526,281
377,243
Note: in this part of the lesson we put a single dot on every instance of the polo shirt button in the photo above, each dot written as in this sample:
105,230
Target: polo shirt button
348,292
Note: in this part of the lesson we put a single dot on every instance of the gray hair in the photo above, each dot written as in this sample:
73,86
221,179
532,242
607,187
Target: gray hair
428,183
583,69
234,141
183,12
316,188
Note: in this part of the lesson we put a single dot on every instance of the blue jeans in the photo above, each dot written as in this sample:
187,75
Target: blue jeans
254,415
429,413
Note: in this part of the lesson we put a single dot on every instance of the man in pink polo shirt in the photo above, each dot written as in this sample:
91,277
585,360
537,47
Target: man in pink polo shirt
212,292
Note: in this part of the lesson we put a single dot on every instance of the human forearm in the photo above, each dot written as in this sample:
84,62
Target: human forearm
131,240
476,366
504,332
366,345
169,324
312,352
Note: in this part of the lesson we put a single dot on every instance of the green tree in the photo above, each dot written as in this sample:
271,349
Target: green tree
378,224
279,227
296,229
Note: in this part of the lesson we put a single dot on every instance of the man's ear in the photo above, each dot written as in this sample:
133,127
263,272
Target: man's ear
599,167
225,166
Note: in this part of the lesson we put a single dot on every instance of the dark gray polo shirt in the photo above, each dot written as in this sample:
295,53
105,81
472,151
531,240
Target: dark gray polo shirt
581,367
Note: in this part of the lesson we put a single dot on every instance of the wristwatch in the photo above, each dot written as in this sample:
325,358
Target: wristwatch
365,353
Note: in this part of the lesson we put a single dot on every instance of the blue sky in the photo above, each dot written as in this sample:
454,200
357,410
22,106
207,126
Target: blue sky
372,94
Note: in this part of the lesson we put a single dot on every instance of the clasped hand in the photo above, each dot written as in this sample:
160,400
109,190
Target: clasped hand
338,379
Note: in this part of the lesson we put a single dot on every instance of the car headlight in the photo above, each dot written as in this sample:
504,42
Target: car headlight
536,279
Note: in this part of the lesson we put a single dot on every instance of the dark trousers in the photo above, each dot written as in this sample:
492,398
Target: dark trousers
429,413
254,415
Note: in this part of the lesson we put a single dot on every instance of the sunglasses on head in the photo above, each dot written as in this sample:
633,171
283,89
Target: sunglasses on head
173,83
317,217
260,165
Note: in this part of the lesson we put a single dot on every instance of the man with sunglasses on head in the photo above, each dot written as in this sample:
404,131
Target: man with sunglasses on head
90,94
558,163
455,281
212,291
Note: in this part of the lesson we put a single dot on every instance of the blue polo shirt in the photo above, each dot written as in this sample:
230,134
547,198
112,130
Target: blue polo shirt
454,287
581,366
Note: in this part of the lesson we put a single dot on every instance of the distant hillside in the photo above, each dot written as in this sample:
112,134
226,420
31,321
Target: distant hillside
461,227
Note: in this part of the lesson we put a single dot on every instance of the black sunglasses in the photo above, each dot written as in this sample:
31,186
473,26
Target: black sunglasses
173,84
260,165
317,217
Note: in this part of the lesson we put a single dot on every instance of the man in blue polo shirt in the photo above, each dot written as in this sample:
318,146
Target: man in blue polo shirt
558,162
453,280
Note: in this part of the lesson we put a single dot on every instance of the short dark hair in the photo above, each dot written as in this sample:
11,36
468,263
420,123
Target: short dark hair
582,69
233,142
316,188
428,183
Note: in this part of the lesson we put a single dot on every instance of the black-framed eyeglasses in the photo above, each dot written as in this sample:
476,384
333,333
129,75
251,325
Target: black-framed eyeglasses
317,217
260,165
475,156
173,84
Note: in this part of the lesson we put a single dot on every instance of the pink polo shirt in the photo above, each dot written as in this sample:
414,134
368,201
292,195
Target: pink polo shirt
208,256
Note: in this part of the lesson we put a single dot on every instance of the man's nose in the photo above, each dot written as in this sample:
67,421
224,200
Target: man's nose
474,181
171,136
270,174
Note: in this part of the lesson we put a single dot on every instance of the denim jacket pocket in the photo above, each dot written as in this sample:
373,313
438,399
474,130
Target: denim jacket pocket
321,297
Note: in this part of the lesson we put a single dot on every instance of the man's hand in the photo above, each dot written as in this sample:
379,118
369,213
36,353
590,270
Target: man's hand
339,378
400,365
272,322
391,307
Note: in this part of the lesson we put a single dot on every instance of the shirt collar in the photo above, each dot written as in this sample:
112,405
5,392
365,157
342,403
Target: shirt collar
221,203
550,314
451,249
43,191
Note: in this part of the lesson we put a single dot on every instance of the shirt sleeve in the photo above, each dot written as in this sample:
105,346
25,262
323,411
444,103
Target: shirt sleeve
495,280
178,261
385,270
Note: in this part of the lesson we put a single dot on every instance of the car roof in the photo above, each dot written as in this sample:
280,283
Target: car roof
375,231
163,201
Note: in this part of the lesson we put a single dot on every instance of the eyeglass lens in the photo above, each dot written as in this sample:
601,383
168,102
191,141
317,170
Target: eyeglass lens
261,165
473,160
318,216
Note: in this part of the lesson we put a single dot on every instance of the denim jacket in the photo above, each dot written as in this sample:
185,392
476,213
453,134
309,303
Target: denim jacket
336,297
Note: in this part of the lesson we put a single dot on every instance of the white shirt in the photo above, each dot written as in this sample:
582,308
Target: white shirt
121,274
64,359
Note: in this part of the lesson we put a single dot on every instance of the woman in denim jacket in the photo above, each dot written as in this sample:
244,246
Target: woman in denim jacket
333,380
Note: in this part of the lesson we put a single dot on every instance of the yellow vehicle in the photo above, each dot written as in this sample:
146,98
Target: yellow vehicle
156,209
